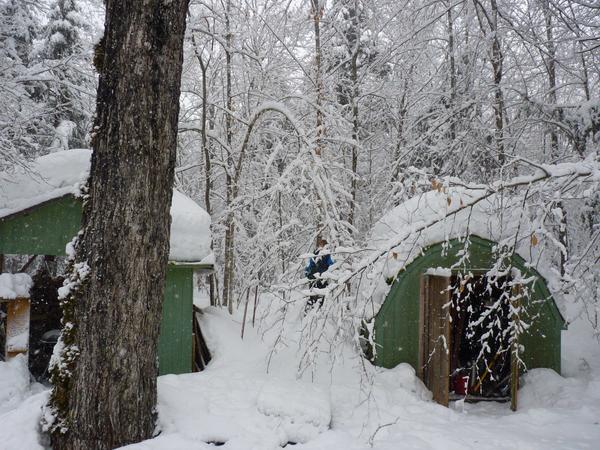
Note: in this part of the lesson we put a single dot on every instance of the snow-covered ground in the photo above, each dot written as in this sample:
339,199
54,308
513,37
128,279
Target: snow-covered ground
250,399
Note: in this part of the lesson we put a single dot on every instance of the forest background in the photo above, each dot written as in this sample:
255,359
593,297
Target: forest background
308,118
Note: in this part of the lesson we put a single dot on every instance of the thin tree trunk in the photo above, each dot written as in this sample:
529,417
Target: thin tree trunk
281,252
551,70
586,78
452,61
554,151
229,221
402,112
355,117
316,11
104,393
497,60
207,159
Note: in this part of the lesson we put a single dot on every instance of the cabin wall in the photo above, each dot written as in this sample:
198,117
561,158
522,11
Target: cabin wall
397,323
44,230
542,341
175,342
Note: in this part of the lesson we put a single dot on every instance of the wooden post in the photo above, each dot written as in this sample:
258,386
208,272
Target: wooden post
194,337
255,303
17,327
423,332
434,367
514,354
245,311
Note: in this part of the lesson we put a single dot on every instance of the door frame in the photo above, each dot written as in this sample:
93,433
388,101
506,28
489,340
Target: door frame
438,381
434,353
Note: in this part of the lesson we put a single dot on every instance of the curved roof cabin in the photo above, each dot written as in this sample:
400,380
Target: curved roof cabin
446,286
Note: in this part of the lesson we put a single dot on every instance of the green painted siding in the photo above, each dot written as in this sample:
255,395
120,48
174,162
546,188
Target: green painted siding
175,343
397,323
44,230
542,341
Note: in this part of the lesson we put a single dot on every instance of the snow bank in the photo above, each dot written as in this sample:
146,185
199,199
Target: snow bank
302,409
236,401
19,427
64,172
544,388
14,285
14,382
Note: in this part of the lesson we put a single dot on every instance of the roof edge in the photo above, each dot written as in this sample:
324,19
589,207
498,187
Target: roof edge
196,265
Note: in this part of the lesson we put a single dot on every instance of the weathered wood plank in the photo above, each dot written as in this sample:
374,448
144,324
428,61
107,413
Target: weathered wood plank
17,327
436,336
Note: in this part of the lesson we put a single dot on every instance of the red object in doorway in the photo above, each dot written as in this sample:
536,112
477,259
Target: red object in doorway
461,384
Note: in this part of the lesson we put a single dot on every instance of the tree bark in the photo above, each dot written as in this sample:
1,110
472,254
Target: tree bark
104,393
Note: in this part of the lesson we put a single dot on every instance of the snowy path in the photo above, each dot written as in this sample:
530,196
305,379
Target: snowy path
237,402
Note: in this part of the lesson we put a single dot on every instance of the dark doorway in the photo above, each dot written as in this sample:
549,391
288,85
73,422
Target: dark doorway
464,341
44,309
480,357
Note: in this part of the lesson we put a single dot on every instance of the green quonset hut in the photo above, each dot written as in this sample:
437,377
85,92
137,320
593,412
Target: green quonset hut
397,322
40,213
413,316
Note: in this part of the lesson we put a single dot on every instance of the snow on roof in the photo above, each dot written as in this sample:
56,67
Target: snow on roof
46,178
438,216
15,285
62,173
484,220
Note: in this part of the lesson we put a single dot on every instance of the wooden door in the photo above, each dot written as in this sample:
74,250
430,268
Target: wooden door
434,339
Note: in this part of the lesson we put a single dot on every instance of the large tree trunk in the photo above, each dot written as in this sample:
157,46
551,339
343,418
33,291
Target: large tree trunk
104,392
